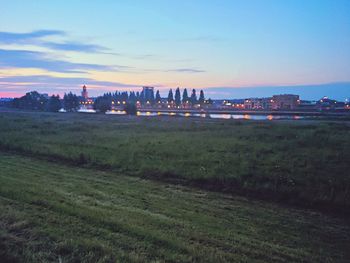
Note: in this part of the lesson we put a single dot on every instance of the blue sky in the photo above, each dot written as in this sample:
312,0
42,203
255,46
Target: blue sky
236,48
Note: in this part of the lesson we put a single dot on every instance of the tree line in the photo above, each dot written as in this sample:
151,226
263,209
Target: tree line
42,102
105,102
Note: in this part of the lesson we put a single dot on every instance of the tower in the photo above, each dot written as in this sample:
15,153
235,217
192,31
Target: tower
148,93
84,93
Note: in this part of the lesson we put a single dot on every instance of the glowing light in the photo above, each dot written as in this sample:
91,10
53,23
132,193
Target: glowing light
270,117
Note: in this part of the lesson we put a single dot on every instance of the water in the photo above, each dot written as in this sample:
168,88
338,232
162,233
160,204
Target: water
116,112
87,110
212,115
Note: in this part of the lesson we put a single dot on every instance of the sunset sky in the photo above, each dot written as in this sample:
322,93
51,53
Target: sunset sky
232,49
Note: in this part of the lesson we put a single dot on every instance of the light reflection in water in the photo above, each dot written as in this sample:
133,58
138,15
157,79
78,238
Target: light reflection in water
220,116
116,112
213,115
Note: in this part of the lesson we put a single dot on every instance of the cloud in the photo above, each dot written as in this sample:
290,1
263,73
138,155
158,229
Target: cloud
186,70
27,38
19,85
35,38
74,46
42,80
41,60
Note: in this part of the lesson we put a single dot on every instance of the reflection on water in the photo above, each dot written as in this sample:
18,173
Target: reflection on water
116,112
187,114
220,116
87,110
225,116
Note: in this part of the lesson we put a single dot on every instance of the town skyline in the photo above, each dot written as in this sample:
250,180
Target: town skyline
229,50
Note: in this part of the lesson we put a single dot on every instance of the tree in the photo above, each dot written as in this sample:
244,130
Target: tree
201,97
130,109
177,97
132,97
158,98
31,101
103,103
193,97
185,96
170,96
70,102
54,104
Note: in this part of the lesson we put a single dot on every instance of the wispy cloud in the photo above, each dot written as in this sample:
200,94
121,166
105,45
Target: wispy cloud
27,38
37,38
41,60
40,80
74,46
186,70
19,85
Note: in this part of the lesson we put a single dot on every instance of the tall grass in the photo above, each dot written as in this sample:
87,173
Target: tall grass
296,162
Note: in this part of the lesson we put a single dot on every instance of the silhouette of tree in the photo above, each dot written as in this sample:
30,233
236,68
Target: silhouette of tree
193,97
103,103
158,98
170,96
177,97
31,101
130,109
70,102
185,96
54,104
201,97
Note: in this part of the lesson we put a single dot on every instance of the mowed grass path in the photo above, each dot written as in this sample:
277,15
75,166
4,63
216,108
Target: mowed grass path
55,213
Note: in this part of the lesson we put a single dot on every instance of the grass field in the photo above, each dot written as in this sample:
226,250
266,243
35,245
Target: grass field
296,162
56,213
95,188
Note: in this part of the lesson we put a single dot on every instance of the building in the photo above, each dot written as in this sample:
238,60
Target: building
148,94
285,102
307,105
84,93
84,100
258,103
326,104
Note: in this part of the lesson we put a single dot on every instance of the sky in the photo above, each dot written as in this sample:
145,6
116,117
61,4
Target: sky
229,48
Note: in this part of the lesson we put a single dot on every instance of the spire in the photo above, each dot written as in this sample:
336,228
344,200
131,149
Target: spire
84,93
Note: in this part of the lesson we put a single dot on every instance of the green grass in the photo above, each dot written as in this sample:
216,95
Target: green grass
296,162
52,212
